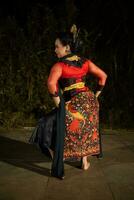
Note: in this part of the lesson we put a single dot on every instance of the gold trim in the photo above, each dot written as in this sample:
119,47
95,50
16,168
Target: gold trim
72,58
73,86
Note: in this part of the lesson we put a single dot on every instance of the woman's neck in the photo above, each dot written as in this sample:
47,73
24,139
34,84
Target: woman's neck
67,56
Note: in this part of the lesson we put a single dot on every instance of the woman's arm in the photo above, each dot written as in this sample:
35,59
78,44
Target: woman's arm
52,82
102,76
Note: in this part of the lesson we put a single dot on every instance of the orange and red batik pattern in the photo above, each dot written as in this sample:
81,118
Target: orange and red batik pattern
82,126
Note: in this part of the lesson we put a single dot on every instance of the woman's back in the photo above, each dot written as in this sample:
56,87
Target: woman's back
73,71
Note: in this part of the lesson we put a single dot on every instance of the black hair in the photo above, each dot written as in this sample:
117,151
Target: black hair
66,38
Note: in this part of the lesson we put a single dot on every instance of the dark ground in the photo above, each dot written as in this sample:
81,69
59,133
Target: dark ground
24,171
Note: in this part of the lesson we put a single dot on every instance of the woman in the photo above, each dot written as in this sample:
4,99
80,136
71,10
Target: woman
81,105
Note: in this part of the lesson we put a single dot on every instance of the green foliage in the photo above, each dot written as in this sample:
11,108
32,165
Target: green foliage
25,63
27,54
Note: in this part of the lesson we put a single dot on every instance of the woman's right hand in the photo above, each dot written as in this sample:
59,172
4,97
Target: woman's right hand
56,101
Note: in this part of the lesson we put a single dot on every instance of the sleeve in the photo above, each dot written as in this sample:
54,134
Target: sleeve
99,73
52,82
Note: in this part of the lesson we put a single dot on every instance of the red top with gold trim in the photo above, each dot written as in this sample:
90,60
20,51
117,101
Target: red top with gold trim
67,70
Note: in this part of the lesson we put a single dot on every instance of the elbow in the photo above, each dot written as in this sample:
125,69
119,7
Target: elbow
49,83
103,78
51,86
106,76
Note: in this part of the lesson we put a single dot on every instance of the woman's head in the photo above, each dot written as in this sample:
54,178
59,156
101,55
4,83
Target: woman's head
64,44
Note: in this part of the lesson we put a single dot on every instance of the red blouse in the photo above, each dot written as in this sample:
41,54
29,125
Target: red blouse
63,70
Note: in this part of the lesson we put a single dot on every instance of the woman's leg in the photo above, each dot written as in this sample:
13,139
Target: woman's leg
85,163
51,153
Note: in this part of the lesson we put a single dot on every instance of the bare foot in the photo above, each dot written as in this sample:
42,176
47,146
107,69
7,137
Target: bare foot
85,166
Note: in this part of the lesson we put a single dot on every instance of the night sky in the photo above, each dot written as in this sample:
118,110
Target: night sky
87,8
112,17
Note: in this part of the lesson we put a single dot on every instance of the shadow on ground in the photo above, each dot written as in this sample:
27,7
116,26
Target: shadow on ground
22,155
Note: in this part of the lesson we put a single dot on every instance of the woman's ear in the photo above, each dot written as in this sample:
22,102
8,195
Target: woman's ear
68,48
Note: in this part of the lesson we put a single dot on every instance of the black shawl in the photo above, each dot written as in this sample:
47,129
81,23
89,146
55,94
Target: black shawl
50,133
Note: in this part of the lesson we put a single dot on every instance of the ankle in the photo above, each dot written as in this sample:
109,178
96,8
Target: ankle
84,160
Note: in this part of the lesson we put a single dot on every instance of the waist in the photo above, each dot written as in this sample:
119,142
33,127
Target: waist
67,82
78,85
68,94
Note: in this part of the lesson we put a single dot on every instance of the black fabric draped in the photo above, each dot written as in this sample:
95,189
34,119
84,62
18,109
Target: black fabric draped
58,164
50,133
44,134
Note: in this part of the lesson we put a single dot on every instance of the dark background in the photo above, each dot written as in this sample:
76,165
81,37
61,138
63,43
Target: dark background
27,33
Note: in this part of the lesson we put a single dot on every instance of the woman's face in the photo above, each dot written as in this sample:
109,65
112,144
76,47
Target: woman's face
60,49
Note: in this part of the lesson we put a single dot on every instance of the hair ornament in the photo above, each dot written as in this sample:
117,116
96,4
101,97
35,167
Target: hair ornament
75,32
